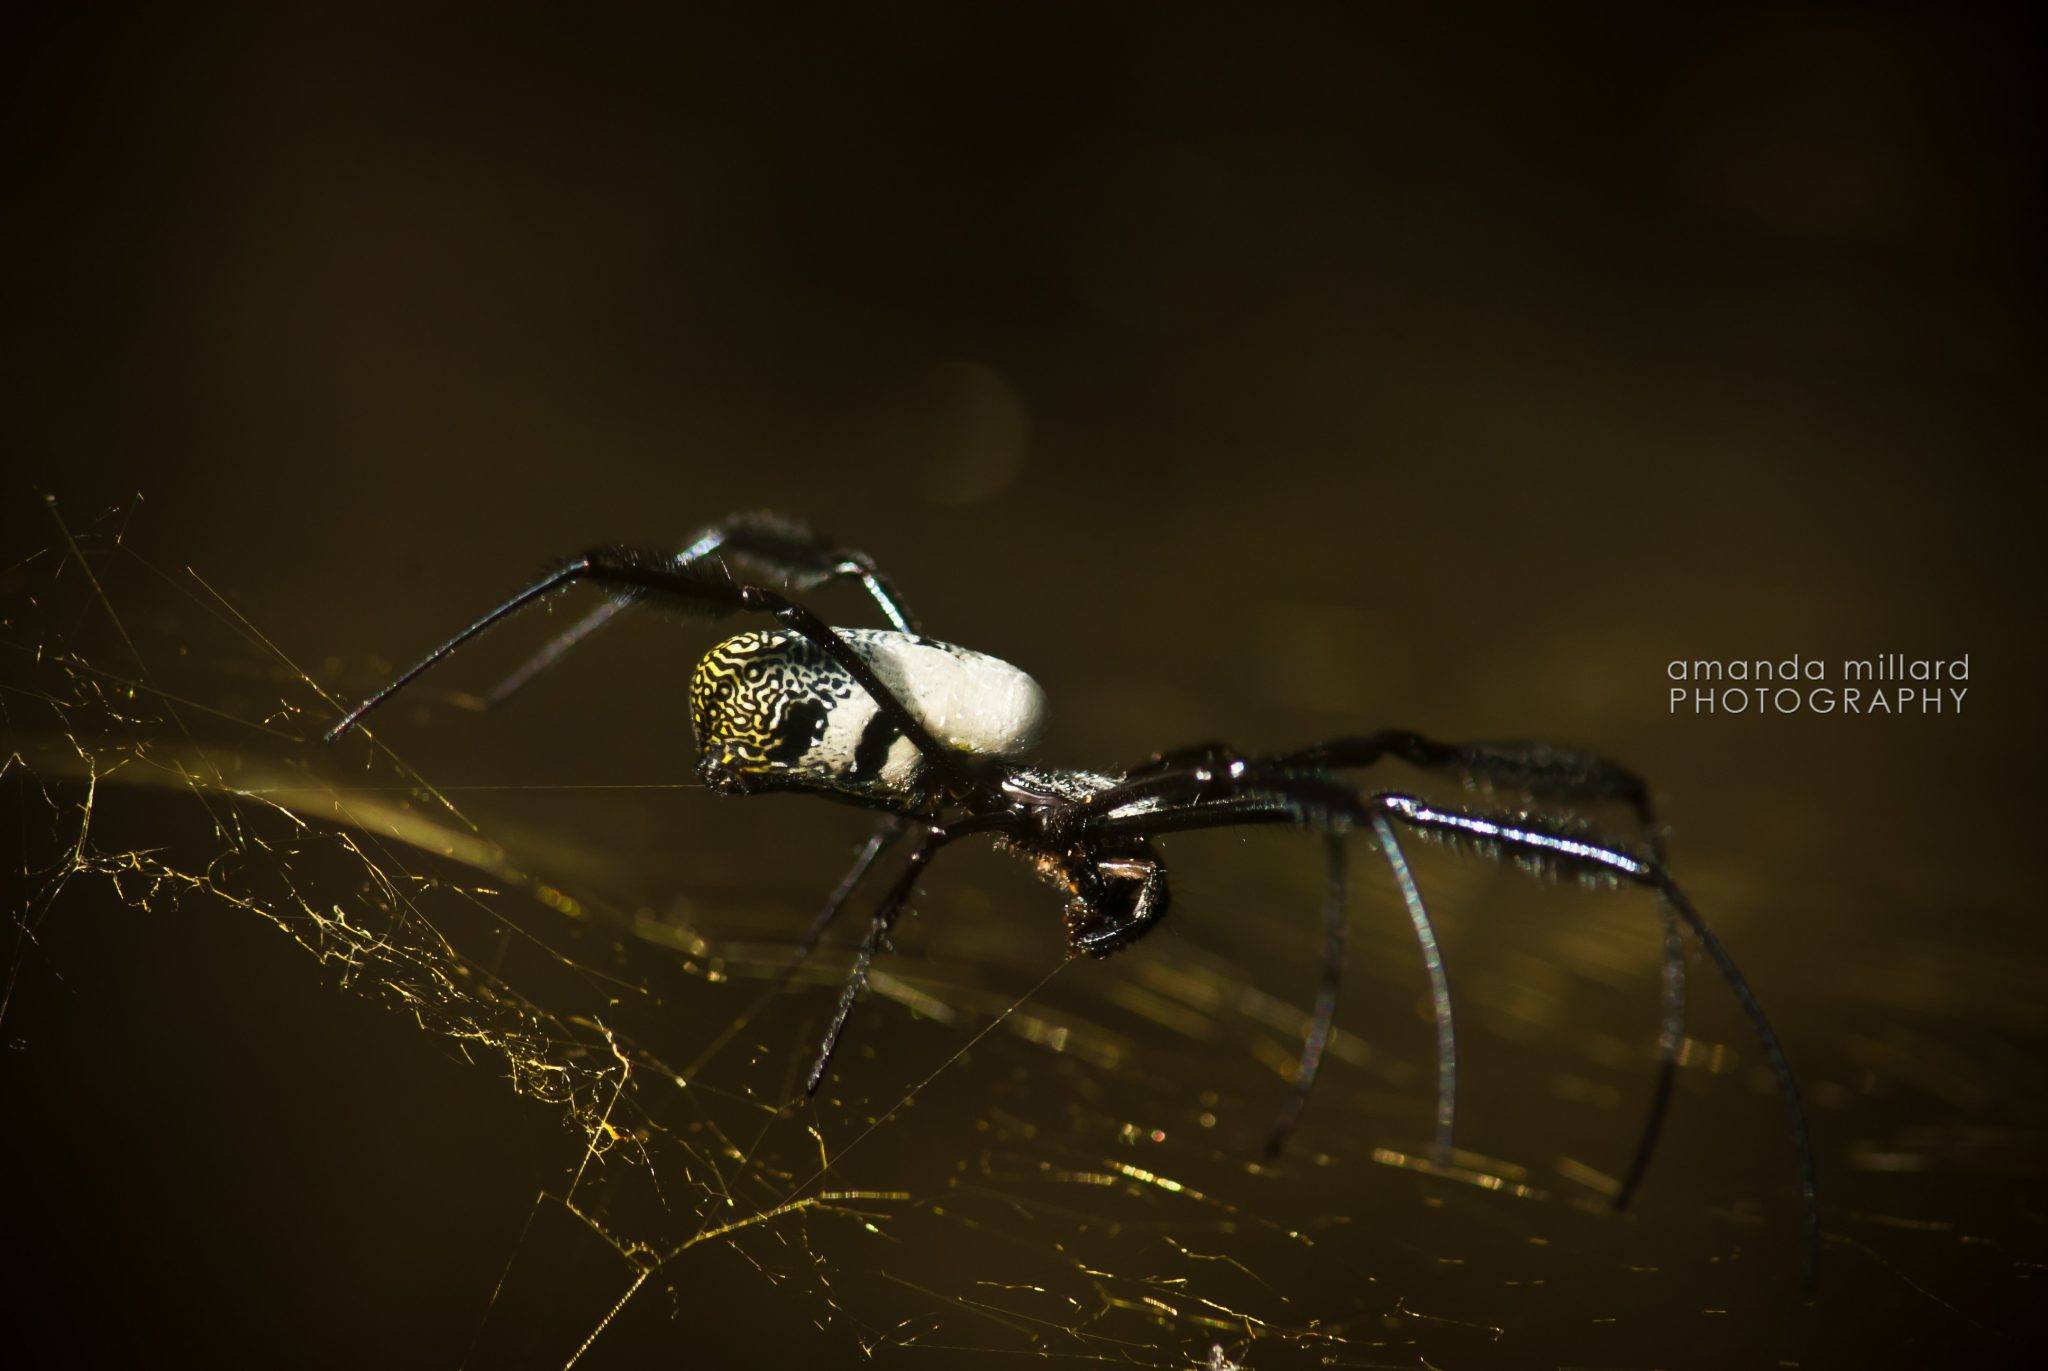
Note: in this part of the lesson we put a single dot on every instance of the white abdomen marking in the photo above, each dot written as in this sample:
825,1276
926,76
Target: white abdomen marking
770,704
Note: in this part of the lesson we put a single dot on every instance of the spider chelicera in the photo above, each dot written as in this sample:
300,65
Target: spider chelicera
937,737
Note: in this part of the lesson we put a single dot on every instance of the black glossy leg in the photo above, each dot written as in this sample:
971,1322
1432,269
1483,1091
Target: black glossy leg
1541,770
1093,929
1325,1015
557,647
1209,768
654,576
1272,797
1177,761
1326,998
871,946
1549,773
764,545
1439,989
885,834
1574,852
1670,1041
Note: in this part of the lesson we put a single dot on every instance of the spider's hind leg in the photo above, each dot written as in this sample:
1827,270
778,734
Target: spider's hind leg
1544,771
1278,796
1323,1021
774,546
1571,852
890,829
1548,772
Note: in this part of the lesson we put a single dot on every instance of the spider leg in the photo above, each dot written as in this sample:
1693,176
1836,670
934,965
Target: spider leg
1570,852
1326,996
1316,800
1223,764
1179,760
1439,989
1546,772
883,919
886,833
1670,1040
557,647
778,548
1542,770
1334,898
655,576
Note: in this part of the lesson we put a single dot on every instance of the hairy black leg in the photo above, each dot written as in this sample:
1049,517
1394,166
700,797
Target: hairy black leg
1546,772
769,545
1202,770
887,832
788,551
1278,797
1178,760
1439,989
1570,851
1774,1052
1325,1016
1670,1042
871,946
557,647
1541,770
653,576
1670,1035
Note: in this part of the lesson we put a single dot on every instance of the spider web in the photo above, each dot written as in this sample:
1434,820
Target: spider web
1012,1162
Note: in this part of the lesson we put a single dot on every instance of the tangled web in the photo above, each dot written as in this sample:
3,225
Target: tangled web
1016,1165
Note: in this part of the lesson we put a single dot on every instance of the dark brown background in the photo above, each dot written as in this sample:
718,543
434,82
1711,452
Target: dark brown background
1263,375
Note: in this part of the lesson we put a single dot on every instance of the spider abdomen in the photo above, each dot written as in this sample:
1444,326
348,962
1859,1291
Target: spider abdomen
771,708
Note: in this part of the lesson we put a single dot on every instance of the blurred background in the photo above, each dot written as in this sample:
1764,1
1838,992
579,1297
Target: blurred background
1261,375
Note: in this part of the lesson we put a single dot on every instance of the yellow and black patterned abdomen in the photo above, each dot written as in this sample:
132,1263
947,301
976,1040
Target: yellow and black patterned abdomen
761,703
773,711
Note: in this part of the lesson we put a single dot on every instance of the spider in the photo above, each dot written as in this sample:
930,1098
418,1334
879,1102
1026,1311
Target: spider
937,739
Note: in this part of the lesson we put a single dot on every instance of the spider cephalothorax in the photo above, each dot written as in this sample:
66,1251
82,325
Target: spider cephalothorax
936,737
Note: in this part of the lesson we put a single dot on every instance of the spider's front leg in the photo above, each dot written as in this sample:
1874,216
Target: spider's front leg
1542,770
624,572
1213,770
1207,773
1276,796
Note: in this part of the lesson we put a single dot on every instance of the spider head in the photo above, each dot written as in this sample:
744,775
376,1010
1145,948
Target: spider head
1113,898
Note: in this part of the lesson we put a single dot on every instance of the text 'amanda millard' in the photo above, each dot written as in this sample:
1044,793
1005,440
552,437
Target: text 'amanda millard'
1891,683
